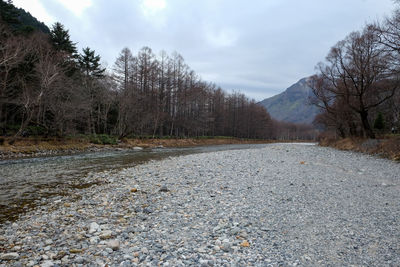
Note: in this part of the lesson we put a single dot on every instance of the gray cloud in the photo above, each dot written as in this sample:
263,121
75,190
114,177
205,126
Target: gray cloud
258,47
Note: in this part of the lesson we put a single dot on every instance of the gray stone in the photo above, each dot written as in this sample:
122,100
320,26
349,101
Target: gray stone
164,188
226,245
147,210
80,259
201,250
113,244
127,257
106,234
248,219
47,263
203,262
93,227
94,239
9,256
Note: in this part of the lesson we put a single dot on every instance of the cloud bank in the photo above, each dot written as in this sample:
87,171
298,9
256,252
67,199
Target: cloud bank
257,47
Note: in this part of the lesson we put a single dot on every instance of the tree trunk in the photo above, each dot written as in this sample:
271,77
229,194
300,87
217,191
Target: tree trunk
155,126
367,128
24,124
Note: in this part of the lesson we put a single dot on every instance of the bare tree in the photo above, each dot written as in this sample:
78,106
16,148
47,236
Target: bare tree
13,50
46,71
359,73
123,76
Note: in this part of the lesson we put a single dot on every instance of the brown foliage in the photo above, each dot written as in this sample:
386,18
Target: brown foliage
162,96
145,95
359,78
388,147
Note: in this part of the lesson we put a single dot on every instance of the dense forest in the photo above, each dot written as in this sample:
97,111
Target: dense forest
358,87
48,88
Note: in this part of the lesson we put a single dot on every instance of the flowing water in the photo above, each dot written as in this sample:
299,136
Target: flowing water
26,183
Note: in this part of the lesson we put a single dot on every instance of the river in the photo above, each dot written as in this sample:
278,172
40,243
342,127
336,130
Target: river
28,183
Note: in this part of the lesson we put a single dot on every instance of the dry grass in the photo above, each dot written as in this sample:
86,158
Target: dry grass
388,146
187,142
33,145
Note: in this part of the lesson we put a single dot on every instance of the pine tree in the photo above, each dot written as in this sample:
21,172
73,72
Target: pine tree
90,64
92,72
379,123
61,39
20,21
8,13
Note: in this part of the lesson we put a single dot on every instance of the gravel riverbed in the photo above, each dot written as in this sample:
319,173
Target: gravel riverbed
277,205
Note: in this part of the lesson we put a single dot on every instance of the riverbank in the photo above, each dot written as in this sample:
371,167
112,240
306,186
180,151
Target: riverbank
38,147
388,147
280,204
28,183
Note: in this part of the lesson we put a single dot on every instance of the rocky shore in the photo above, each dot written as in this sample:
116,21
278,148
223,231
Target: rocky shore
18,154
30,148
279,205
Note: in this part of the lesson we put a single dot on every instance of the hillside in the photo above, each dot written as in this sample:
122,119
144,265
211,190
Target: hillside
292,105
20,20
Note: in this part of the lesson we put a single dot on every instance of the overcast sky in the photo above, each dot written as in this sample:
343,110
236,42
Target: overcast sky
257,47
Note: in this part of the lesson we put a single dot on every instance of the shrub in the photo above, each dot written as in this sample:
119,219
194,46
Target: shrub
94,139
379,123
35,130
11,129
103,139
214,137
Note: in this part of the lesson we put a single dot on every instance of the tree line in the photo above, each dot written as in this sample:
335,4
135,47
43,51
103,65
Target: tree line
163,96
48,88
46,83
358,87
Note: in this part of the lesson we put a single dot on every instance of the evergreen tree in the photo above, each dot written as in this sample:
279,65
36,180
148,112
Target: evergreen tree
90,64
20,21
28,21
61,39
379,123
92,71
8,13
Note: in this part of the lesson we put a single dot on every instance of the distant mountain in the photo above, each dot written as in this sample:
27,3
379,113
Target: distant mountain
19,19
292,105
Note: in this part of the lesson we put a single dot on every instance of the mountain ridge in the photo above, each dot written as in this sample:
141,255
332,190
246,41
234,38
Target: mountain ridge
292,105
19,19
